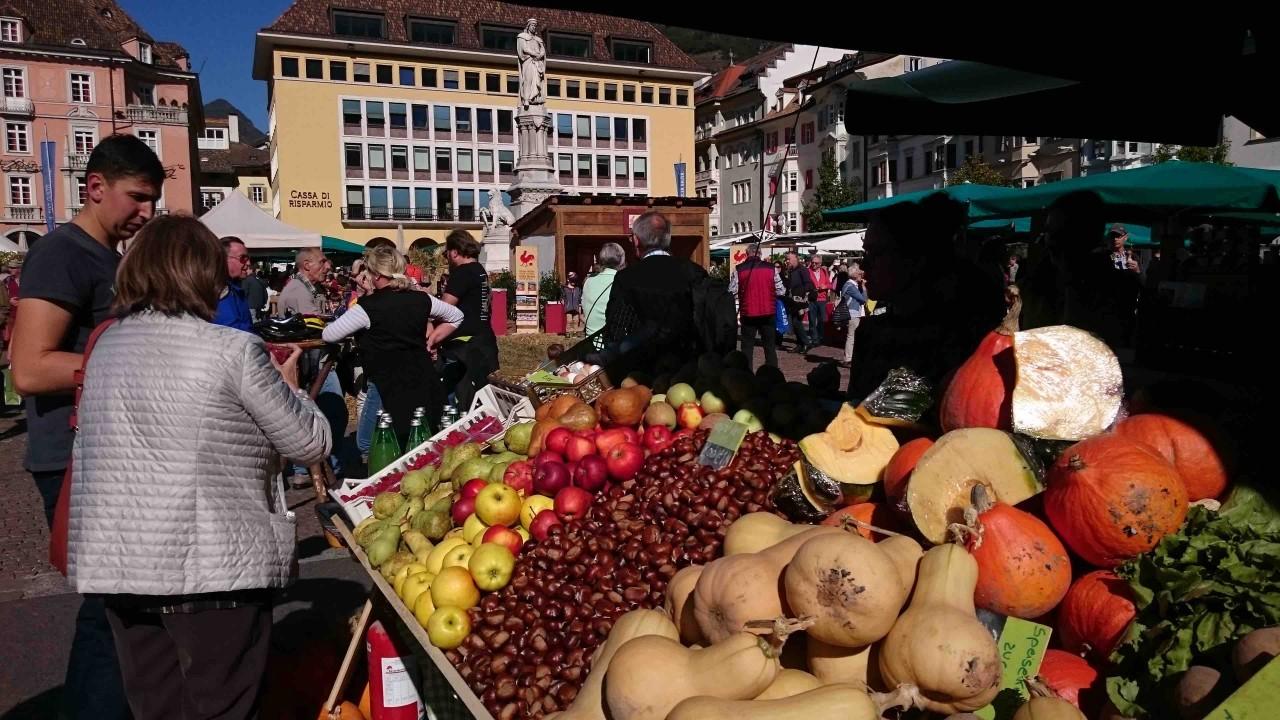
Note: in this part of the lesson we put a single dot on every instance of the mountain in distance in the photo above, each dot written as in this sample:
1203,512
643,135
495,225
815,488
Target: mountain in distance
713,50
249,134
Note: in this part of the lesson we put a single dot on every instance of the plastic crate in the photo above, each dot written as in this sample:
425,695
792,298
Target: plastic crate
511,406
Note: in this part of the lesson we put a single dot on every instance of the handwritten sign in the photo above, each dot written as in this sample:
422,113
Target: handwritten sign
1021,644
525,262
722,444
1255,700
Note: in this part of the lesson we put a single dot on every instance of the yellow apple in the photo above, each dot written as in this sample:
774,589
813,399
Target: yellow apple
473,528
435,560
414,586
491,566
498,504
448,627
524,534
459,556
423,608
454,533
532,506
453,586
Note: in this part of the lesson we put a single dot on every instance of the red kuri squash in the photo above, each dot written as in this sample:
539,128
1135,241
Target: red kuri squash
1111,498
877,514
1023,569
1202,468
980,393
1071,677
898,472
1095,614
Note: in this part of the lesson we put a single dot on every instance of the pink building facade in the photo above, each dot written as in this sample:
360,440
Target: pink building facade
72,73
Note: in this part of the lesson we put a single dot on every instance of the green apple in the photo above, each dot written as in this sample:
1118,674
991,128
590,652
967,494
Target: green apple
681,393
459,556
533,505
711,403
473,528
747,418
448,627
491,566
662,397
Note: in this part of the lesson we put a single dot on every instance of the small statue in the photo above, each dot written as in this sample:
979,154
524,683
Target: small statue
495,214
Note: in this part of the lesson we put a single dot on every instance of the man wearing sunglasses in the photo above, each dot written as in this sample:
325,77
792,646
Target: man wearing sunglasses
233,306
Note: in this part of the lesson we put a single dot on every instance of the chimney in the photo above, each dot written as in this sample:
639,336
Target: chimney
233,127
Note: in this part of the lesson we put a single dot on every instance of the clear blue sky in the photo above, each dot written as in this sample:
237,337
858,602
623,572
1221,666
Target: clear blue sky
219,36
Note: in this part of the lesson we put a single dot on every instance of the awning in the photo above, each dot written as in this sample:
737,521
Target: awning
963,193
849,242
237,216
334,244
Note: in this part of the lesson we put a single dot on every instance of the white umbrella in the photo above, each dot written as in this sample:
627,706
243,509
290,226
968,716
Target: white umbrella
7,245
849,242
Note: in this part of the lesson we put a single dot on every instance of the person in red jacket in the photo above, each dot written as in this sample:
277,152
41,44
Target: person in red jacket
757,285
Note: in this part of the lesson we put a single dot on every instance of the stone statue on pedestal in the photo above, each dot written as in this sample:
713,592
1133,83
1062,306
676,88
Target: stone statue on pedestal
495,215
535,171
533,66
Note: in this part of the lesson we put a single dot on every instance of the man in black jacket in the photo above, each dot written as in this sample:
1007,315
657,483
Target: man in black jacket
651,304
800,292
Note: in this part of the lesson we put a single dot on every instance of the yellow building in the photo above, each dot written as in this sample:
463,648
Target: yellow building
397,120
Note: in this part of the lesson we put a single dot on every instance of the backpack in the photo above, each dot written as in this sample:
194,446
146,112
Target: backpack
715,315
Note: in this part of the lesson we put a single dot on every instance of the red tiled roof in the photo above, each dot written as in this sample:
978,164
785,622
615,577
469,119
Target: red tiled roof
729,79
312,17
238,155
102,25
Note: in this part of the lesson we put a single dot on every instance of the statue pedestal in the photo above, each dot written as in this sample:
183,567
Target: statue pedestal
535,170
495,250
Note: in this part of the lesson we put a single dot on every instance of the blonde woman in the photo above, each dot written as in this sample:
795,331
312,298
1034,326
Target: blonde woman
392,325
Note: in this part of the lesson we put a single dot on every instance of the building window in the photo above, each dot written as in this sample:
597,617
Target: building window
353,24
289,67
378,203
584,169
400,203
602,167
564,125
498,38
513,85
632,51
611,92
83,140
646,95
603,126
419,119
789,135
968,148
806,133
553,87
422,159
373,111
20,190
151,138
569,45
408,76
360,72
506,161
355,203
315,69
628,93
620,129
462,119
639,131
928,162
1133,147
771,142
17,137
573,89
438,32
441,120
593,91
354,156
484,161
15,82
450,79
664,96
210,199
682,98
584,127
484,121
10,30
384,74
400,158
428,77
504,122
621,169
793,222
80,190
914,64
422,203
492,83
472,81
792,180
144,53
81,87
257,193
908,167
338,70
444,161
377,158
641,166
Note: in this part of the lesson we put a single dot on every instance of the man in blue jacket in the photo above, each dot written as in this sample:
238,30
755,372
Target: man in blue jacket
233,306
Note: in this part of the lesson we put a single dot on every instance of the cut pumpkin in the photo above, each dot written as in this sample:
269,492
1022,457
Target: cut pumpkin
851,453
1069,384
941,486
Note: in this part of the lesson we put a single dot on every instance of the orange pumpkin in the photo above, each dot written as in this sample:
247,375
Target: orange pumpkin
1095,614
898,472
1073,679
1023,569
878,514
1111,498
1202,468
980,393
345,711
364,702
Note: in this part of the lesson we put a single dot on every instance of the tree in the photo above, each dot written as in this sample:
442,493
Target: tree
830,194
1194,153
976,172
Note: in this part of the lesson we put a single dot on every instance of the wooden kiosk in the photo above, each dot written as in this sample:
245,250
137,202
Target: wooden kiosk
568,230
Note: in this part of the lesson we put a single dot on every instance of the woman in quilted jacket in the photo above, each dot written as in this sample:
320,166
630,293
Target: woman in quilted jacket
176,516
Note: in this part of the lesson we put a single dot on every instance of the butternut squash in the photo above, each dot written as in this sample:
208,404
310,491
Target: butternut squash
830,702
1048,708
905,554
589,704
679,604
650,675
833,664
850,587
756,531
738,589
938,645
790,682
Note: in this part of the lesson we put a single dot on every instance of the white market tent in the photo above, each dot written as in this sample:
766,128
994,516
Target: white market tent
7,245
848,242
237,215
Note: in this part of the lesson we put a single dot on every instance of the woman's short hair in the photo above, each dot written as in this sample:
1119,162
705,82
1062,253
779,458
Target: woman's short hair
387,262
611,255
176,266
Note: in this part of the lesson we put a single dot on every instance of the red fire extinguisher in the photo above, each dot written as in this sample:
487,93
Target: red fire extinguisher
393,695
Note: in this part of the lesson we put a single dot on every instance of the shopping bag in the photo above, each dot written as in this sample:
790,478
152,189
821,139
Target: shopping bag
782,322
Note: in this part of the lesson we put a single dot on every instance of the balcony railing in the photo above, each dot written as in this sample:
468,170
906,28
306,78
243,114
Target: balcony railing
24,213
77,161
702,176
156,114
17,106
385,214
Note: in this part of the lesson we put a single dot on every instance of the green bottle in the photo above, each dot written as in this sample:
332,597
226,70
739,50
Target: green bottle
417,432
385,449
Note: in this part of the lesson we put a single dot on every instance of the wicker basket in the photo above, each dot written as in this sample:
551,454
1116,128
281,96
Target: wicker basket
587,389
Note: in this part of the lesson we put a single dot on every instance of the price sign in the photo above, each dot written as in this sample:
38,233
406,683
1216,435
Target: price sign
526,272
722,444
1021,644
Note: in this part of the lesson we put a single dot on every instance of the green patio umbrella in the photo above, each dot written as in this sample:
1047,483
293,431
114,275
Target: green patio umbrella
339,245
964,193
1165,188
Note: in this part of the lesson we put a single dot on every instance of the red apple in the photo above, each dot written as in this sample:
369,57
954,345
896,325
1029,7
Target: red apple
572,503
588,434
504,536
550,478
579,447
592,473
558,439
547,456
462,509
624,461
689,415
519,475
608,438
542,524
473,487
657,438
632,434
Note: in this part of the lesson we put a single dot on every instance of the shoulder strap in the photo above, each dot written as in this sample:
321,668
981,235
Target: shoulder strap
84,363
